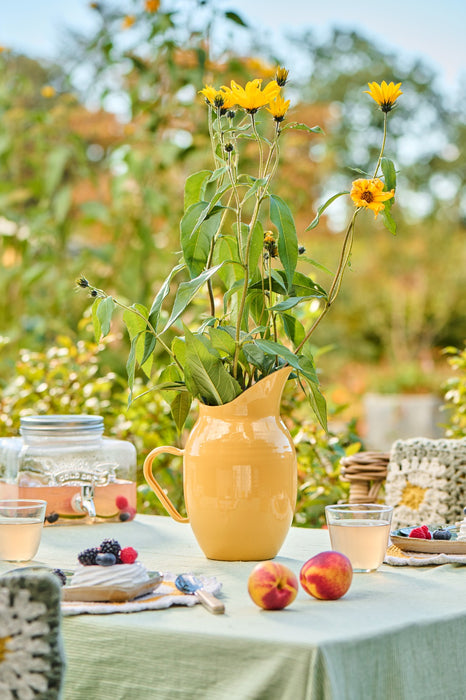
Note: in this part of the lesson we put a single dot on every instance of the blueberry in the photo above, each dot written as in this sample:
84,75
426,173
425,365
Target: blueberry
106,559
441,534
124,516
52,517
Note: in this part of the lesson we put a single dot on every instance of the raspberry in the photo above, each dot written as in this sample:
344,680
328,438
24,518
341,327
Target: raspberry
88,556
418,532
111,547
128,555
121,502
426,532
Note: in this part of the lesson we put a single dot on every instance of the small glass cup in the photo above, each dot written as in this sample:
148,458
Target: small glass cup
360,531
21,522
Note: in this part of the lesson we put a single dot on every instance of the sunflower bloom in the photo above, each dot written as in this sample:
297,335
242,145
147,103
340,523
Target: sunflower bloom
278,108
128,21
252,97
370,194
47,91
152,5
385,95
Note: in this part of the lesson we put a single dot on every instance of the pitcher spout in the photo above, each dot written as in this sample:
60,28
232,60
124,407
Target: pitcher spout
262,398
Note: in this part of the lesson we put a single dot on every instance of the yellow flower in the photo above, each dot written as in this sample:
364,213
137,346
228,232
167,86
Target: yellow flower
385,95
128,21
47,91
281,76
278,108
2,49
222,98
370,194
152,5
252,97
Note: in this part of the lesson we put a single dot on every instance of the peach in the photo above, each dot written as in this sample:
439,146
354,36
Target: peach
327,576
272,586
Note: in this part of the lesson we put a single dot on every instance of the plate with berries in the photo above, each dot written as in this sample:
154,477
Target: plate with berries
108,573
430,539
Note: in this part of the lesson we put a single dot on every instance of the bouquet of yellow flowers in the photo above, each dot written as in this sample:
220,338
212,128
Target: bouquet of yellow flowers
240,254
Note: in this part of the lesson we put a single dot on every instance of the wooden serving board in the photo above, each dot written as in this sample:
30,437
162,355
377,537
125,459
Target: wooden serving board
107,594
416,544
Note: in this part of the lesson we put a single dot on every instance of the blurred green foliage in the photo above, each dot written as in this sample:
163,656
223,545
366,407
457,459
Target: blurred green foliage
455,394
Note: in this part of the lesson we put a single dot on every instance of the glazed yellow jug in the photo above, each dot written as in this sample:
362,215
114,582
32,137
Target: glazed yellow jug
239,475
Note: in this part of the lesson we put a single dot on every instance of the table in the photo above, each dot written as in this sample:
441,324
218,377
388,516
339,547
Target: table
399,633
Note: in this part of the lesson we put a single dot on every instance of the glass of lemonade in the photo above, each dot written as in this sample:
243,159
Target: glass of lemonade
360,531
21,522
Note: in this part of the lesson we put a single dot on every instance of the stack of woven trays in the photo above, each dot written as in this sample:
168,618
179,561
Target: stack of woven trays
366,472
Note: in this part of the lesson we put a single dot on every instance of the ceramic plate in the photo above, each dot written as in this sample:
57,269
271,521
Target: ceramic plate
415,544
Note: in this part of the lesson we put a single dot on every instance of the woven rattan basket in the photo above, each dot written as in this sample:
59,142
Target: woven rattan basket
366,472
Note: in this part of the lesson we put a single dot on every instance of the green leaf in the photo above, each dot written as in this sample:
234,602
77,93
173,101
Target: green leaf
290,303
234,17
259,182
186,292
179,350
163,292
236,287
388,220
303,127
314,263
196,240
282,218
95,320
194,188
205,375
180,407
254,355
62,203
318,403
222,340
293,328
131,366
218,173
301,363
137,325
255,248
104,314
389,172
323,207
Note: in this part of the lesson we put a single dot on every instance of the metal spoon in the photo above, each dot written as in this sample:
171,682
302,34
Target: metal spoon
187,583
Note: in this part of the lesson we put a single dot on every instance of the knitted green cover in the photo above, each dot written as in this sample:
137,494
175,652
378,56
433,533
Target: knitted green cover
31,649
426,481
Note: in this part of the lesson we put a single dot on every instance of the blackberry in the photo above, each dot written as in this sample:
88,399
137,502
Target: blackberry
59,573
111,547
88,556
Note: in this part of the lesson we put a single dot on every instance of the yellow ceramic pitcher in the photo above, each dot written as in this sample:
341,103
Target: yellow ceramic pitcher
239,475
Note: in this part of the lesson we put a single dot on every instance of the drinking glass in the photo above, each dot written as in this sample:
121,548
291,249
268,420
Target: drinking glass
21,522
360,531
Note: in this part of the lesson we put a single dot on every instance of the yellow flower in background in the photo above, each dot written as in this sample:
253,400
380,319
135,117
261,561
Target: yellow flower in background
128,21
222,98
48,91
257,66
152,5
2,49
252,97
370,194
278,108
385,95
281,76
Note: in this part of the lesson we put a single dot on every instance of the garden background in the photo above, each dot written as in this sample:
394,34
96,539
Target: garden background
95,147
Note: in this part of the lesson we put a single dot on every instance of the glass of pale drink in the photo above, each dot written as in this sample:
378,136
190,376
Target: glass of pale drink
360,530
21,522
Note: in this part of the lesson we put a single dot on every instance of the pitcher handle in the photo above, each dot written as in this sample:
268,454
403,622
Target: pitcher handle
155,486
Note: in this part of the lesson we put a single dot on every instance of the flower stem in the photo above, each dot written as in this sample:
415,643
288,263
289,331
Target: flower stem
383,144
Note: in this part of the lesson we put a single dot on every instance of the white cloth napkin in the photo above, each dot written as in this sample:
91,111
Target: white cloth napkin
397,557
165,595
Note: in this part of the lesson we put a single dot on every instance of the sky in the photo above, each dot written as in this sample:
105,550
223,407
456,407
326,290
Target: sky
431,29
